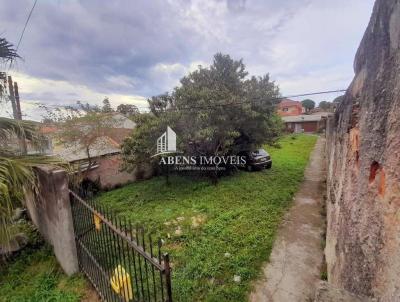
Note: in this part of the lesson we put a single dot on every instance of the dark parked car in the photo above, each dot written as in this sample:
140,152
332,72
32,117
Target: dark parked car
256,160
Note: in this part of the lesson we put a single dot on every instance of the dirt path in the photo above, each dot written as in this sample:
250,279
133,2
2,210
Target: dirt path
296,257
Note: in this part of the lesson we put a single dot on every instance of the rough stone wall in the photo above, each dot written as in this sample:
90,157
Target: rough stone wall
326,293
363,207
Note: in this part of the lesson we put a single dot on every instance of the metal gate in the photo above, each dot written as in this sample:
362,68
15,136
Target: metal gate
121,262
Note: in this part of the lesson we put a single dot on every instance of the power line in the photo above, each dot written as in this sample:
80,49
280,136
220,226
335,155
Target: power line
23,31
26,24
314,93
252,102
223,104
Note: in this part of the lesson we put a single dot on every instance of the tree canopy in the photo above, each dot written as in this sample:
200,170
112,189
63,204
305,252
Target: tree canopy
308,104
338,99
127,109
324,105
82,126
217,110
107,106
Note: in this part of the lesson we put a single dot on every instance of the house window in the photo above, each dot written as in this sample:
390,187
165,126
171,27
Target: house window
286,109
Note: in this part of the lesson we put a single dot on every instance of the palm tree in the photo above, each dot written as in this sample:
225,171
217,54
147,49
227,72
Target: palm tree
16,171
7,52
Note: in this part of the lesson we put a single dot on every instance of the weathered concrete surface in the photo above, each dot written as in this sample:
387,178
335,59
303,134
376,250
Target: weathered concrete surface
363,208
325,292
296,258
50,211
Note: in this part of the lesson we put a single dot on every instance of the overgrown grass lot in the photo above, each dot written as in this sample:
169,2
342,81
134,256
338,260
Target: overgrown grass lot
35,276
217,232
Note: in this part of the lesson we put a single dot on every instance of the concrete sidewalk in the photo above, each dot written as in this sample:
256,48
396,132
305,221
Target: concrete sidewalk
296,258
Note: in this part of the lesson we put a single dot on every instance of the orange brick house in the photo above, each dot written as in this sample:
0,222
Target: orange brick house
289,108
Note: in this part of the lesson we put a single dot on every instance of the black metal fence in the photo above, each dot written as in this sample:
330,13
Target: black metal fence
121,261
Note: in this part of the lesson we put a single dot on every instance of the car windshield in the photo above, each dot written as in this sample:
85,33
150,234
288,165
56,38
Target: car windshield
260,152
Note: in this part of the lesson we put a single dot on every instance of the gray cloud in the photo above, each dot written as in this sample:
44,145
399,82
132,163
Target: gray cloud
144,47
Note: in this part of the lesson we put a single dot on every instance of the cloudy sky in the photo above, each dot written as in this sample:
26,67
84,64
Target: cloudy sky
130,50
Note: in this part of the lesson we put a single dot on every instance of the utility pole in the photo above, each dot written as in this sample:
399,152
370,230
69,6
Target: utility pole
22,142
16,107
17,102
12,98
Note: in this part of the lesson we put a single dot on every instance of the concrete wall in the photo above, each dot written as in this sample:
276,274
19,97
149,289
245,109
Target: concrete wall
363,207
50,211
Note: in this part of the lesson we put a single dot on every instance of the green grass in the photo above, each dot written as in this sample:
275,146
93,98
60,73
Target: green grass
239,216
35,276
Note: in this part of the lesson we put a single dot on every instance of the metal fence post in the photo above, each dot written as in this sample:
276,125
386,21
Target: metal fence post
107,254
168,277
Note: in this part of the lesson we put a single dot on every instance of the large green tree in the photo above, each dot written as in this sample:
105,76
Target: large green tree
324,105
107,106
128,110
308,104
217,110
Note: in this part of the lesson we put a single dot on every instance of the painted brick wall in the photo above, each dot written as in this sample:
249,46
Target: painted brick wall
109,172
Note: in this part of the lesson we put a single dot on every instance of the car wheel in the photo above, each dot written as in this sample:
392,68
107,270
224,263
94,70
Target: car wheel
269,166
